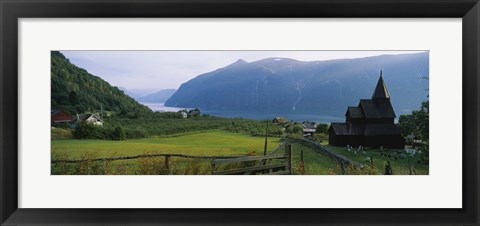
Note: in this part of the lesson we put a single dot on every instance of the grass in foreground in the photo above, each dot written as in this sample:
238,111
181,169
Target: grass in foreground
314,162
400,165
206,143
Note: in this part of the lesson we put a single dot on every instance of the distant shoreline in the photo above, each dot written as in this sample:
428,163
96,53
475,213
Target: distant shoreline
299,117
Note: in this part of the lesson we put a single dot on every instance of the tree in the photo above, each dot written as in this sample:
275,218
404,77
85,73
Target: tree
118,133
194,113
321,128
416,123
85,130
297,129
73,98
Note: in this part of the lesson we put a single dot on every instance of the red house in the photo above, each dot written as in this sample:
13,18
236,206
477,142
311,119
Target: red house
58,116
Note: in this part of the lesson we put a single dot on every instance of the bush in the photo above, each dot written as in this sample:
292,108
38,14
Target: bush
136,134
59,133
118,134
86,130
322,128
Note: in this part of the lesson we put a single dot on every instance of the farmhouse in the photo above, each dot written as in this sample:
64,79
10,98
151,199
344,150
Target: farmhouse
308,128
371,123
183,113
280,120
60,117
90,118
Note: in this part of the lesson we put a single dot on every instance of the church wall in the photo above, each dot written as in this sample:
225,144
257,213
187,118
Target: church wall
380,120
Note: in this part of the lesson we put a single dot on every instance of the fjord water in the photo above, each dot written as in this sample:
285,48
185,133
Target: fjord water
299,117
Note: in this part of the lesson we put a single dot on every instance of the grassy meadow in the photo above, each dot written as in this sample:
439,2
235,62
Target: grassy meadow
400,166
204,143
215,142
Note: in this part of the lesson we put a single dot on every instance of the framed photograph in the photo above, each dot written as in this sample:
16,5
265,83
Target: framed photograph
207,112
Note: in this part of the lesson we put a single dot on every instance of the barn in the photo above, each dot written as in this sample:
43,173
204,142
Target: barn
370,123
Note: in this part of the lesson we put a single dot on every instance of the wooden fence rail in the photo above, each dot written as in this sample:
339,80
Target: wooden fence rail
344,161
148,155
263,164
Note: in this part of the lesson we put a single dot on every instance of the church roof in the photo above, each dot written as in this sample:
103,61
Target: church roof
339,128
377,108
381,89
343,129
355,112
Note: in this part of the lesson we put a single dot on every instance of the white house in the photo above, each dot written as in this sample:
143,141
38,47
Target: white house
90,118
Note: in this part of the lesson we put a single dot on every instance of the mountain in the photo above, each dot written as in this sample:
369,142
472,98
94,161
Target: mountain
157,97
137,93
74,90
126,91
282,85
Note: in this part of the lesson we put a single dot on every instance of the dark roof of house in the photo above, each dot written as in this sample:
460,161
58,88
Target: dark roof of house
381,89
83,117
60,116
280,119
382,129
355,112
309,125
377,108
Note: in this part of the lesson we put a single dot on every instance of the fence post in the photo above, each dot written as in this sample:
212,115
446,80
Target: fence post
409,166
167,163
343,167
371,162
213,165
301,156
288,153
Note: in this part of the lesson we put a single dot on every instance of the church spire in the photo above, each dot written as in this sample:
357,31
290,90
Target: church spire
381,91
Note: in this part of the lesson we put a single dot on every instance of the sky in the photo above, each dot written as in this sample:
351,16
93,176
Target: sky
156,70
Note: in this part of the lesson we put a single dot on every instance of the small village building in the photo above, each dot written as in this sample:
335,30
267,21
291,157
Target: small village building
370,123
194,112
183,113
90,118
309,128
60,117
280,120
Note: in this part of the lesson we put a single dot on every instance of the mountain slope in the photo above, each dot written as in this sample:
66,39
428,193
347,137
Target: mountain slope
74,90
280,85
157,97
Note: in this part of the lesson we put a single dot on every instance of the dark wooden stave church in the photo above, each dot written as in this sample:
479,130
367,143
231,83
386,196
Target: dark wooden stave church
370,124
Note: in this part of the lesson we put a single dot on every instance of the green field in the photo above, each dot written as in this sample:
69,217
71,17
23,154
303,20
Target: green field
215,142
206,143
201,143
314,162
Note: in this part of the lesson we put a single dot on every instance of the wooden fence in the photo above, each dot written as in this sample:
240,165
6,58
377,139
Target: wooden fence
274,163
167,156
342,160
166,163
260,164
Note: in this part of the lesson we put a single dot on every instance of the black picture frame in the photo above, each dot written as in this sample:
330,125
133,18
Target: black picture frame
12,10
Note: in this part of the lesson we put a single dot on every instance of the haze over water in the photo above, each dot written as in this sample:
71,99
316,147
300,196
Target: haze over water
160,107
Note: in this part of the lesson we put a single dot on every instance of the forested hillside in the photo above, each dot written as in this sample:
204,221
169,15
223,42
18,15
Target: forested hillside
74,90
